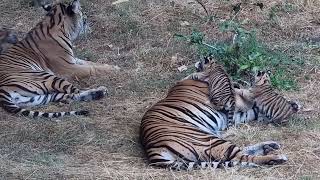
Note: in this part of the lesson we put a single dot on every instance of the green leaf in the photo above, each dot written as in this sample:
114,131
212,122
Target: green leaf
244,67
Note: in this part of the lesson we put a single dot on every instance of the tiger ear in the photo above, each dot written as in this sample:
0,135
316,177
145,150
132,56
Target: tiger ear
259,73
205,60
47,7
75,6
269,72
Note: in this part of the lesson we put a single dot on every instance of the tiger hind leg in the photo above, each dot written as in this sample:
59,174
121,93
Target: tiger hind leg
255,155
228,154
218,152
86,69
56,85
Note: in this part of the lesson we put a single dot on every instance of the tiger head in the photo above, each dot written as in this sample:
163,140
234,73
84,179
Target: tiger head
262,78
7,39
68,17
205,64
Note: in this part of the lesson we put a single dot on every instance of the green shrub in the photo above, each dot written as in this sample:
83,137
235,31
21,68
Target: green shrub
244,55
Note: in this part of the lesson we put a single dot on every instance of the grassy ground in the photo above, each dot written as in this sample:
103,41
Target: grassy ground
138,37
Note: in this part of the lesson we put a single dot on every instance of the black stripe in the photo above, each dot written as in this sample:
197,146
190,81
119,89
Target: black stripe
45,115
25,113
60,18
37,34
54,81
67,42
36,114
62,7
52,22
42,29
228,154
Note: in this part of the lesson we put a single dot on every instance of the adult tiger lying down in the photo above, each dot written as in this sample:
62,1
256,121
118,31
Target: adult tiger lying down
31,71
180,131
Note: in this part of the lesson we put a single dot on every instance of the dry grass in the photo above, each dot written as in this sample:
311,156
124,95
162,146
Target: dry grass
138,36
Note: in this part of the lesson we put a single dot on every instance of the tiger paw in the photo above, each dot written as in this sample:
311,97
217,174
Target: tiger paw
99,93
111,67
270,146
262,148
102,88
103,69
279,160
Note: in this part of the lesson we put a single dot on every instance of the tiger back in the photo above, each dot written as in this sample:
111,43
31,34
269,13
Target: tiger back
180,132
273,107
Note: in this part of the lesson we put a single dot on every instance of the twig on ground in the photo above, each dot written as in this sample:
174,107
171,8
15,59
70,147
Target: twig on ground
203,6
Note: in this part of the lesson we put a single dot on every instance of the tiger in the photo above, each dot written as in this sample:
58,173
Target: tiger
221,90
7,39
35,70
181,132
272,106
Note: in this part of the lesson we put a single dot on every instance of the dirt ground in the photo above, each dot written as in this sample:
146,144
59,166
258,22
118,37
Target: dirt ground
138,36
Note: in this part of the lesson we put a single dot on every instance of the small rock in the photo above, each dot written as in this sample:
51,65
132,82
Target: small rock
184,23
119,1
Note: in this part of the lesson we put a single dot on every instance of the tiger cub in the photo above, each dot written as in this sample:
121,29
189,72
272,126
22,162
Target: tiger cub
221,90
272,106
7,39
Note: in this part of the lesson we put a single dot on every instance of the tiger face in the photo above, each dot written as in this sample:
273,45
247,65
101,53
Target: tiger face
74,21
262,78
206,64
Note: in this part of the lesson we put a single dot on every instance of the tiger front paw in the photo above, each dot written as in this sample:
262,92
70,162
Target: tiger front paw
99,93
280,159
269,146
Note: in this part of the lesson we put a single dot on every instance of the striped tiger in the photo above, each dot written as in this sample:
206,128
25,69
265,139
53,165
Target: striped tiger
272,106
221,90
32,71
181,132
7,39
